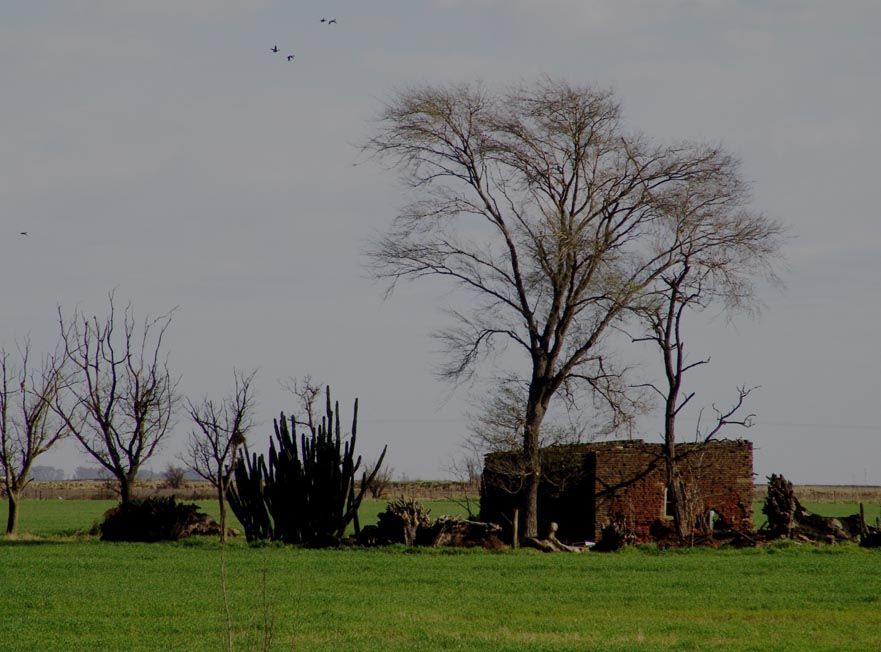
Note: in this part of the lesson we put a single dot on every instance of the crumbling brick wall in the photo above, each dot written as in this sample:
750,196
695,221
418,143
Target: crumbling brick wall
585,486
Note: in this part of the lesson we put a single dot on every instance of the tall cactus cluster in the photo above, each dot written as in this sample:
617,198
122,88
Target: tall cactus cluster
304,495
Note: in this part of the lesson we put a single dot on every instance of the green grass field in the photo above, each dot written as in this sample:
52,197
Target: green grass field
52,518
66,517
60,592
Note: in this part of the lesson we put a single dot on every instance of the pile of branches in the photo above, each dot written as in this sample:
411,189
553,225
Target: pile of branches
788,518
406,521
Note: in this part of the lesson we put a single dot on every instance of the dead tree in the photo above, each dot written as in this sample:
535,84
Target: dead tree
122,396
221,428
28,425
724,251
537,204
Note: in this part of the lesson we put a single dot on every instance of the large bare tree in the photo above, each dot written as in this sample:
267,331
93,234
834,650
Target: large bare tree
221,428
122,397
537,203
28,425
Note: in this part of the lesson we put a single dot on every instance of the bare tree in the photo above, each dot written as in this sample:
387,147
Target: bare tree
721,268
28,425
381,481
538,204
174,476
307,392
221,428
123,397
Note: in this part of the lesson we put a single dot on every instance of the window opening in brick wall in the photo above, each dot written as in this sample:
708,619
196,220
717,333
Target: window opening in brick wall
668,503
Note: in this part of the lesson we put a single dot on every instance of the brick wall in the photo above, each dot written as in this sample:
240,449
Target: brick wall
585,486
630,482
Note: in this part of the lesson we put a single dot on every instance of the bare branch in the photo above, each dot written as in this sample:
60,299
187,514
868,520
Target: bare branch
307,392
727,418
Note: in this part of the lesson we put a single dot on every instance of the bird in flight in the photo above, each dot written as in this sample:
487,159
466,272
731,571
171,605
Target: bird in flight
290,57
332,21
274,48
22,233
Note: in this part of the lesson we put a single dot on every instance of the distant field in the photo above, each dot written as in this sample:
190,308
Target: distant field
819,493
46,518
423,490
200,489
67,517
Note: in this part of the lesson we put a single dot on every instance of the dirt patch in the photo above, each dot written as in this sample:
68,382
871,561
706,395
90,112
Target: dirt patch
106,490
819,493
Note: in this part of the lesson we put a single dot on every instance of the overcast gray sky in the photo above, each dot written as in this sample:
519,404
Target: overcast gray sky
160,148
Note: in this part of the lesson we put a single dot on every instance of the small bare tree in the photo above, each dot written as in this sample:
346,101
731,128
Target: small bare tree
28,425
724,251
174,476
550,216
307,392
123,396
221,428
381,481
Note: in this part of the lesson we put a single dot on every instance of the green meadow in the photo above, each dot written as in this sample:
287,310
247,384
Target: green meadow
60,590
46,518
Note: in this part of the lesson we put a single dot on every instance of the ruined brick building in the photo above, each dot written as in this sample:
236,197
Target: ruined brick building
586,486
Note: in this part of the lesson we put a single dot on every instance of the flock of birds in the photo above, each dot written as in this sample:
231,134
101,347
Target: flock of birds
327,21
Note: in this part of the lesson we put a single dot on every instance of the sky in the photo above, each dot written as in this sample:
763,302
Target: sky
162,150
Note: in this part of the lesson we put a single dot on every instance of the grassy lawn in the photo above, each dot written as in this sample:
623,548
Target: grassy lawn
61,593
45,518
66,517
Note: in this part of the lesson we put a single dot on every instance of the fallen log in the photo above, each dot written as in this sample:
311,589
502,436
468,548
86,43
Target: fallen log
450,531
788,518
551,543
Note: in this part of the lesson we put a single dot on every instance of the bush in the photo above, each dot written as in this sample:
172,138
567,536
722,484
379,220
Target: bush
154,519
381,481
174,476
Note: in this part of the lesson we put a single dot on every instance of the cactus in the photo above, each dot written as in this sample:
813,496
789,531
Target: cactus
304,495
246,496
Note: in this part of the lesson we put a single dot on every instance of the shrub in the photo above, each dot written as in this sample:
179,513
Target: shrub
154,519
174,476
381,481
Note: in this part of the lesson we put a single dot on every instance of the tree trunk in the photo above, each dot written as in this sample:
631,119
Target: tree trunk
533,479
125,489
12,517
675,489
221,499
535,412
